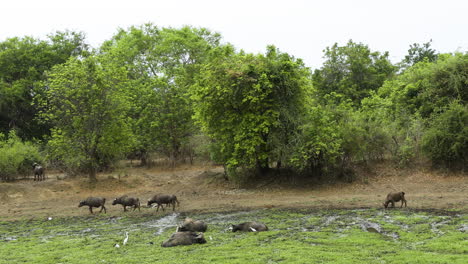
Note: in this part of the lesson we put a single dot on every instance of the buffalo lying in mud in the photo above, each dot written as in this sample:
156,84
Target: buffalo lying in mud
94,202
127,201
249,227
191,225
395,197
184,238
163,199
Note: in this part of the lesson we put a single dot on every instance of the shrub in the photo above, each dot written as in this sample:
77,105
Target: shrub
446,140
17,156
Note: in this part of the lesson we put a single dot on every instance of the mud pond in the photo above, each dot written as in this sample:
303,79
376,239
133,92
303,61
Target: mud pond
295,236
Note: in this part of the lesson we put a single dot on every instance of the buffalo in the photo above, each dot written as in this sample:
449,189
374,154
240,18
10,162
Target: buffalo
249,227
94,202
127,201
184,238
395,197
164,199
38,172
191,225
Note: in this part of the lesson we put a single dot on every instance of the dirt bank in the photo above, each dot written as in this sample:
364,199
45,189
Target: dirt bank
203,189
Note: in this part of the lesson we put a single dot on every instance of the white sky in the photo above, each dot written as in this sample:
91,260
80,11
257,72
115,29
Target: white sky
300,27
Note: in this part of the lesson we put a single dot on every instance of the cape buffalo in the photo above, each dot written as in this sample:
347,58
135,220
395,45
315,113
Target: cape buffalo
395,197
184,238
94,202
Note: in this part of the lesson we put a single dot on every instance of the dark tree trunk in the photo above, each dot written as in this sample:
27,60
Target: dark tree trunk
278,164
225,174
262,166
143,158
92,174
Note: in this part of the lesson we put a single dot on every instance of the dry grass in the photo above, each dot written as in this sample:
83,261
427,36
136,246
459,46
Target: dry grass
203,189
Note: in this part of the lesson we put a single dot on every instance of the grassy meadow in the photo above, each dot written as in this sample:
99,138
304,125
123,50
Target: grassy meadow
295,236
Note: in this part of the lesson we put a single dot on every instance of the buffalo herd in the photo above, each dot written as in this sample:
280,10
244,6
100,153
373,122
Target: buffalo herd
191,231
186,234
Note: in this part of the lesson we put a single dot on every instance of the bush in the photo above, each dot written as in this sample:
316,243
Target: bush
406,153
17,156
446,140
319,145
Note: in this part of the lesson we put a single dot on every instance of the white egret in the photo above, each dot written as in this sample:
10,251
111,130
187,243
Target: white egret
126,238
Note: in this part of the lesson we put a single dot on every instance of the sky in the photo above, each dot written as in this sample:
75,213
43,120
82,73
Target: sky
299,27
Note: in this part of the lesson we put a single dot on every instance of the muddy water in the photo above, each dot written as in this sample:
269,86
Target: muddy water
463,228
366,220
162,224
386,223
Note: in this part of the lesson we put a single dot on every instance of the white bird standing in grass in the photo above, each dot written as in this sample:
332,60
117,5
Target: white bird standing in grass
126,238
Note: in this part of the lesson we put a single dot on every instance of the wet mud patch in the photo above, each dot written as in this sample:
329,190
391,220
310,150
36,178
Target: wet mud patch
162,224
363,235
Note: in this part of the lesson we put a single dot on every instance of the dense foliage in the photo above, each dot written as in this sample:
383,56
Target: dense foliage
23,63
181,93
17,157
161,64
251,106
352,70
87,104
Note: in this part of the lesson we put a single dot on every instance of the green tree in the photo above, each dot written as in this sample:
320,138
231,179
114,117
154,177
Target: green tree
162,65
446,140
87,103
417,53
427,87
407,105
23,62
336,135
319,145
352,70
251,105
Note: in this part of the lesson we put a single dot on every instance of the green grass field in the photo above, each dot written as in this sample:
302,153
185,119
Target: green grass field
295,236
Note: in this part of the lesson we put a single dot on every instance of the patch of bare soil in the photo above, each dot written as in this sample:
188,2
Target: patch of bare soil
203,189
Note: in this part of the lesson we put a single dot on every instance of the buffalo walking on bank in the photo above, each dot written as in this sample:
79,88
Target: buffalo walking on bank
94,202
163,199
127,201
38,171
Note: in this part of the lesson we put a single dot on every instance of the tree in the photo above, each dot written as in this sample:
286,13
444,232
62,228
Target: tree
446,140
427,87
23,62
319,144
251,105
162,65
352,70
417,53
87,103
412,106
